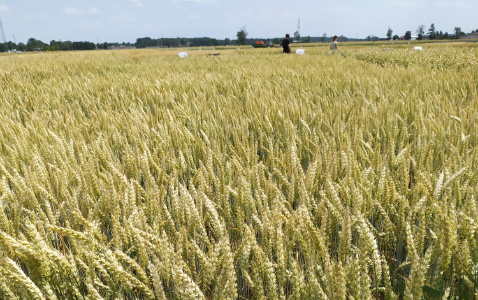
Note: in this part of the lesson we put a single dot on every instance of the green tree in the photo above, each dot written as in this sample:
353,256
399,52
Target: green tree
241,36
389,33
21,47
396,37
458,32
54,46
35,45
144,42
408,35
227,41
11,45
65,46
31,44
431,32
324,37
420,32
421,29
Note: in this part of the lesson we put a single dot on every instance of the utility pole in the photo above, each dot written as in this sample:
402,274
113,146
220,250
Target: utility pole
3,34
298,25
297,33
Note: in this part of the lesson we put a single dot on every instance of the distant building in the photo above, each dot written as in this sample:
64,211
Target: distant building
412,38
473,35
120,47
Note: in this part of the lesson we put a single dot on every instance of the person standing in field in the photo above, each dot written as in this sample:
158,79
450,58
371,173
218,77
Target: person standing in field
286,44
333,45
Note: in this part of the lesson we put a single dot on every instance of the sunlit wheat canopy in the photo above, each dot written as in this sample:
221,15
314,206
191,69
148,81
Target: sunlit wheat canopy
246,174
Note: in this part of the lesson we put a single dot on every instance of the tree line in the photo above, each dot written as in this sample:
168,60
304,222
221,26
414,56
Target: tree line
243,40
432,34
37,45
180,42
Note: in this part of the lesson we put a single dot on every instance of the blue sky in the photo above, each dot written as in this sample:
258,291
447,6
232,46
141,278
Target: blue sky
126,20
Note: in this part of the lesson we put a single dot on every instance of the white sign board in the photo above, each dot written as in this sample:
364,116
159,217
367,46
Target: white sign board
183,54
299,51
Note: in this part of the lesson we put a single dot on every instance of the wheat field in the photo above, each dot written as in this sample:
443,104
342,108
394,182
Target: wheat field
136,174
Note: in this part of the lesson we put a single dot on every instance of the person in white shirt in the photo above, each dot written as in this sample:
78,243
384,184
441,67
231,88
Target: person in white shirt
333,45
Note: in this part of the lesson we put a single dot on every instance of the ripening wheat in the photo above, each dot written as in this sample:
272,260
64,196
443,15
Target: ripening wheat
251,175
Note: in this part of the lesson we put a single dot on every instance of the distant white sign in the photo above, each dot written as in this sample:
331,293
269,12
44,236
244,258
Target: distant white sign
300,51
418,48
183,54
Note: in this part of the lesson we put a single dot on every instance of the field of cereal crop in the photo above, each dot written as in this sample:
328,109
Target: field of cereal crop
136,174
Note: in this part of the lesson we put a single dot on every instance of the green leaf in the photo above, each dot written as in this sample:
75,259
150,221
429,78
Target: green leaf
431,293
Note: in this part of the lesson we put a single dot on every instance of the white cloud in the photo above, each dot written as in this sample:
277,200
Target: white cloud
3,7
36,17
125,17
79,11
93,11
196,1
193,17
89,25
454,5
72,11
137,2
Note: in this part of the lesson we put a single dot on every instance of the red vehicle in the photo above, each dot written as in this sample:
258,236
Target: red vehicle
259,44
